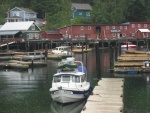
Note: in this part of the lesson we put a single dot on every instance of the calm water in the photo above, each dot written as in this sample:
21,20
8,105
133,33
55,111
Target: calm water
28,91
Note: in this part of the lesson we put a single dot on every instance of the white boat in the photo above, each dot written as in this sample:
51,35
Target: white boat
74,107
62,50
129,44
69,83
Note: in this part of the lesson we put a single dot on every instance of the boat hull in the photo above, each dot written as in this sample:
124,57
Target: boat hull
129,46
68,96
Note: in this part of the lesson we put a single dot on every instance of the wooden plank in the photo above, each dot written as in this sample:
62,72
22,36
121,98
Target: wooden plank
107,97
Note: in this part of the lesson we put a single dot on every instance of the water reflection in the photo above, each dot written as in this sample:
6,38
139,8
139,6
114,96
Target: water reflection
75,107
22,81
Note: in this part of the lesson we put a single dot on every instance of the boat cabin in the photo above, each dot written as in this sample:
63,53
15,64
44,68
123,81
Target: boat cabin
69,78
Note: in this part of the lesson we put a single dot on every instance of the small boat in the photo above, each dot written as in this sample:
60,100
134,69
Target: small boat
69,83
129,44
62,50
74,107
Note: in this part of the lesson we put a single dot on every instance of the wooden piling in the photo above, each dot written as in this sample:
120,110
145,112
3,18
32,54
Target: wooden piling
97,60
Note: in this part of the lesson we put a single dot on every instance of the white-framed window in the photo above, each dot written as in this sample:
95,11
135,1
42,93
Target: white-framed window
33,27
145,25
120,27
89,27
87,13
125,27
81,27
133,25
114,35
80,13
113,27
123,35
133,34
139,25
15,13
107,27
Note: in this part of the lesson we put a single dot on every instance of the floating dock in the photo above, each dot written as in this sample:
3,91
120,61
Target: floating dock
81,51
134,62
107,97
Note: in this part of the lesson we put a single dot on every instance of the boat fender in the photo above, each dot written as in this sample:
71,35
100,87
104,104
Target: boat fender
59,87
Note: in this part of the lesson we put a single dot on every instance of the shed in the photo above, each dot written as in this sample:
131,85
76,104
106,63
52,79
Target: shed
51,34
26,30
143,33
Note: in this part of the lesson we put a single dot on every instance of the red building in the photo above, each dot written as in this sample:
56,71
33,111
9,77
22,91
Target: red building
49,34
124,30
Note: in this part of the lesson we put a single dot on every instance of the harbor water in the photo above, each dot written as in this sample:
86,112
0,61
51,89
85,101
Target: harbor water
27,91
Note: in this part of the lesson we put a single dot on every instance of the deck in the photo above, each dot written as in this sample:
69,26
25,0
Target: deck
107,97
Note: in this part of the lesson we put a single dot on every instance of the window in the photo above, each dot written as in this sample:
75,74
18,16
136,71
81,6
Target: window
81,27
87,13
89,27
113,27
76,79
57,79
114,35
33,27
133,34
120,27
80,13
125,27
145,25
123,35
16,13
139,25
107,27
65,78
133,25
83,78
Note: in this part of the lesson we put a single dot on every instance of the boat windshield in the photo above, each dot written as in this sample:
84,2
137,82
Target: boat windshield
57,78
65,78
76,79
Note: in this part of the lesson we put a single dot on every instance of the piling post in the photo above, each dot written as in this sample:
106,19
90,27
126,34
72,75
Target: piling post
46,52
116,53
127,46
119,46
97,59
7,46
111,58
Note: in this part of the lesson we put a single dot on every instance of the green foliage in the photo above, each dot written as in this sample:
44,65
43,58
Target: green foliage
58,13
81,20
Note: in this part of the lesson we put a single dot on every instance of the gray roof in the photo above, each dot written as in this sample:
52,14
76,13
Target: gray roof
17,26
82,6
8,32
25,9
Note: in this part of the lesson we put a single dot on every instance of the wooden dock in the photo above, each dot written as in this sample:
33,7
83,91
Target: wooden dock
107,97
133,63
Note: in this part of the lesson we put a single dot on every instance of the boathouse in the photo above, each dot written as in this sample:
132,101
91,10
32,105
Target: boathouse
109,31
24,30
